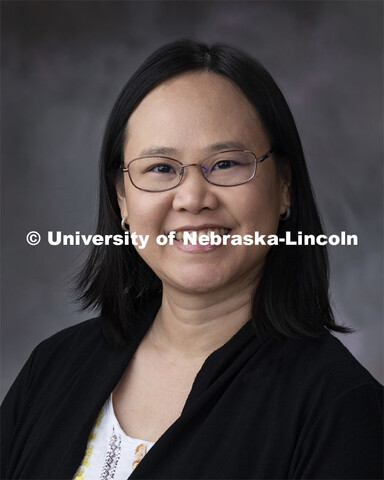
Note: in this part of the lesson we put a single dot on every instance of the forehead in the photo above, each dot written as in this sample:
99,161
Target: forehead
191,111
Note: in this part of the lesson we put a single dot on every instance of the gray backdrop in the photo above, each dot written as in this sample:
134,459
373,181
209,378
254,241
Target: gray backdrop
63,64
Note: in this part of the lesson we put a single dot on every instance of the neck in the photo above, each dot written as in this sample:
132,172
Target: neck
189,327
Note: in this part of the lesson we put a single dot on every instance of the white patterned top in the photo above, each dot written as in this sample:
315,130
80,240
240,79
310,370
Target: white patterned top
110,454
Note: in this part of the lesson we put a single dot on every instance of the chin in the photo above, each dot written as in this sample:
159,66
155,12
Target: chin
199,282
194,289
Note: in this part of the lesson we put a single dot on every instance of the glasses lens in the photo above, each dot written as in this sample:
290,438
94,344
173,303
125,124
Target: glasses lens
229,168
154,173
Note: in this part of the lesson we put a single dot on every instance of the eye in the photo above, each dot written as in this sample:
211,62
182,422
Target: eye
224,164
161,168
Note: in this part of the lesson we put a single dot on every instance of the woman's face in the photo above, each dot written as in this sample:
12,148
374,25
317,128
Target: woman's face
187,115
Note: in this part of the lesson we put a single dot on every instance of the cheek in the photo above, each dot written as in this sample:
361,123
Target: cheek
261,208
146,211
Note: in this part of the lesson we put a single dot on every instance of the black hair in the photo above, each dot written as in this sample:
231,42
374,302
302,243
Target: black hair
292,297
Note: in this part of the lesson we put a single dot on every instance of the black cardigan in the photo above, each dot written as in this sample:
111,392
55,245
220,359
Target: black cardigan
270,408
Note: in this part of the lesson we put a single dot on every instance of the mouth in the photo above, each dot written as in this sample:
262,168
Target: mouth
185,235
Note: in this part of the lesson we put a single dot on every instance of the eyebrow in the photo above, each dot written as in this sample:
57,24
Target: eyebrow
215,147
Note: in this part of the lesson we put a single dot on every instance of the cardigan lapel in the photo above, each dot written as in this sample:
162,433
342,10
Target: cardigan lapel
172,456
54,436
100,378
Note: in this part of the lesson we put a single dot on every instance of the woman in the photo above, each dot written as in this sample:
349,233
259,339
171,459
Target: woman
208,361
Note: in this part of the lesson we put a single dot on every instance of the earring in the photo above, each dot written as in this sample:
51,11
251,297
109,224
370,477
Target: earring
124,226
287,213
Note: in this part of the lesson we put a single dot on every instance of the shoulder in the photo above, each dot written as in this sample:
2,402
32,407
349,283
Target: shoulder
81,334
64,351
71,339
340,407
320,375
328,361
51,364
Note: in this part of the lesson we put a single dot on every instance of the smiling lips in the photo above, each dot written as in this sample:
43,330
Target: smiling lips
200,232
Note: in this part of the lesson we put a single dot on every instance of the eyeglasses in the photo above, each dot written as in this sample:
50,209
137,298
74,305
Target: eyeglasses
225,169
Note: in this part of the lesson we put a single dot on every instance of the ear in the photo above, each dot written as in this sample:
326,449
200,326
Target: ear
121,198
285,183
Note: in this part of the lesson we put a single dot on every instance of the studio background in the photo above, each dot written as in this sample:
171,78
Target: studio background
63,65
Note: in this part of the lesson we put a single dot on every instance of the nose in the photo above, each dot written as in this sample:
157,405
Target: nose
194,193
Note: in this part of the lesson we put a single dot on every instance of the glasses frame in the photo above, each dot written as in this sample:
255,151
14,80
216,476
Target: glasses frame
198,164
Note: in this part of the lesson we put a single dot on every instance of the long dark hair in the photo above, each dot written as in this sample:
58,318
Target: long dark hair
292,297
